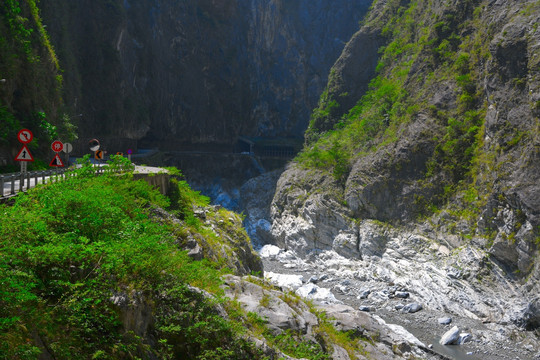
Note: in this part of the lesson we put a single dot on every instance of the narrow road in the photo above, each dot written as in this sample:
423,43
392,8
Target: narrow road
10,184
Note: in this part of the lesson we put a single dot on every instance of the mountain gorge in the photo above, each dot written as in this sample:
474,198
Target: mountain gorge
432,169
197,72
415,198
450,122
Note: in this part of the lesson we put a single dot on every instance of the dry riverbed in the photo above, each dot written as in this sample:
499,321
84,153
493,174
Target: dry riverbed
328,277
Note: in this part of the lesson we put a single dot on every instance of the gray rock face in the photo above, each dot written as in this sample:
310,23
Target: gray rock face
445,321
530,317
196,72
266,303
297,216
136,313
411,308
280,315
384,187
484,267
350,77
450,337
256,197
384,278
411,261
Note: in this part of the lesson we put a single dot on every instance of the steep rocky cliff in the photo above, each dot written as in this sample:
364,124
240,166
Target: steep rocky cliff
196,72
428,135
30,82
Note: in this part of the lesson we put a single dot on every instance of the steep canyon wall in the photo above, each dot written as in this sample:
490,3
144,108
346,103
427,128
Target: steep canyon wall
197,72
445,141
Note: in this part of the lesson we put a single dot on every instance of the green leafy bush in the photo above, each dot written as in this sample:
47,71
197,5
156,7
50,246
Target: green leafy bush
67,248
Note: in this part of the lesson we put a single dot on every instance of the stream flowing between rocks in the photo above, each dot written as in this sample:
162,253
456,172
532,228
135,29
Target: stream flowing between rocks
398,277
329,278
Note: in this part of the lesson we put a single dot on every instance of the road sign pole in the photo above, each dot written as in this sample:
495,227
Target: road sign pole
21,184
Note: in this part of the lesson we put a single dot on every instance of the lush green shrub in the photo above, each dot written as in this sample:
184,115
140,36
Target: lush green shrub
66,248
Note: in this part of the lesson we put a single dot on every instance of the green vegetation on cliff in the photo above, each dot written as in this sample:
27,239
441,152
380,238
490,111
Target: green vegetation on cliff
31,79
95,267
439,72
398,93
86,273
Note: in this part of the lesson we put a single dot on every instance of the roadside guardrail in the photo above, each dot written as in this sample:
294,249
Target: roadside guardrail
12,183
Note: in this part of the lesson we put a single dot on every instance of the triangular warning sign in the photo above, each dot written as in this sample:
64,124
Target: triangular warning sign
56,161
24,155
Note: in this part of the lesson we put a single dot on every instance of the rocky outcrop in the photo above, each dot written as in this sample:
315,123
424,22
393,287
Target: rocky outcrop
255,198
348,80
466,210
411,292
281,313
401,172
196,72
276,322
233,250
446,277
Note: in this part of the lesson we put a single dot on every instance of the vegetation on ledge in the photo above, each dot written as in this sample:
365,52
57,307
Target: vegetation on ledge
77,257
94,267
448,118
31,82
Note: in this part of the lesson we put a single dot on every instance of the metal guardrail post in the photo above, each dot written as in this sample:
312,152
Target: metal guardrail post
21,181
28,180
1,186
13,184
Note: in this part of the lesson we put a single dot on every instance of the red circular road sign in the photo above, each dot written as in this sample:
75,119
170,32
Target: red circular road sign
57,146
25,136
